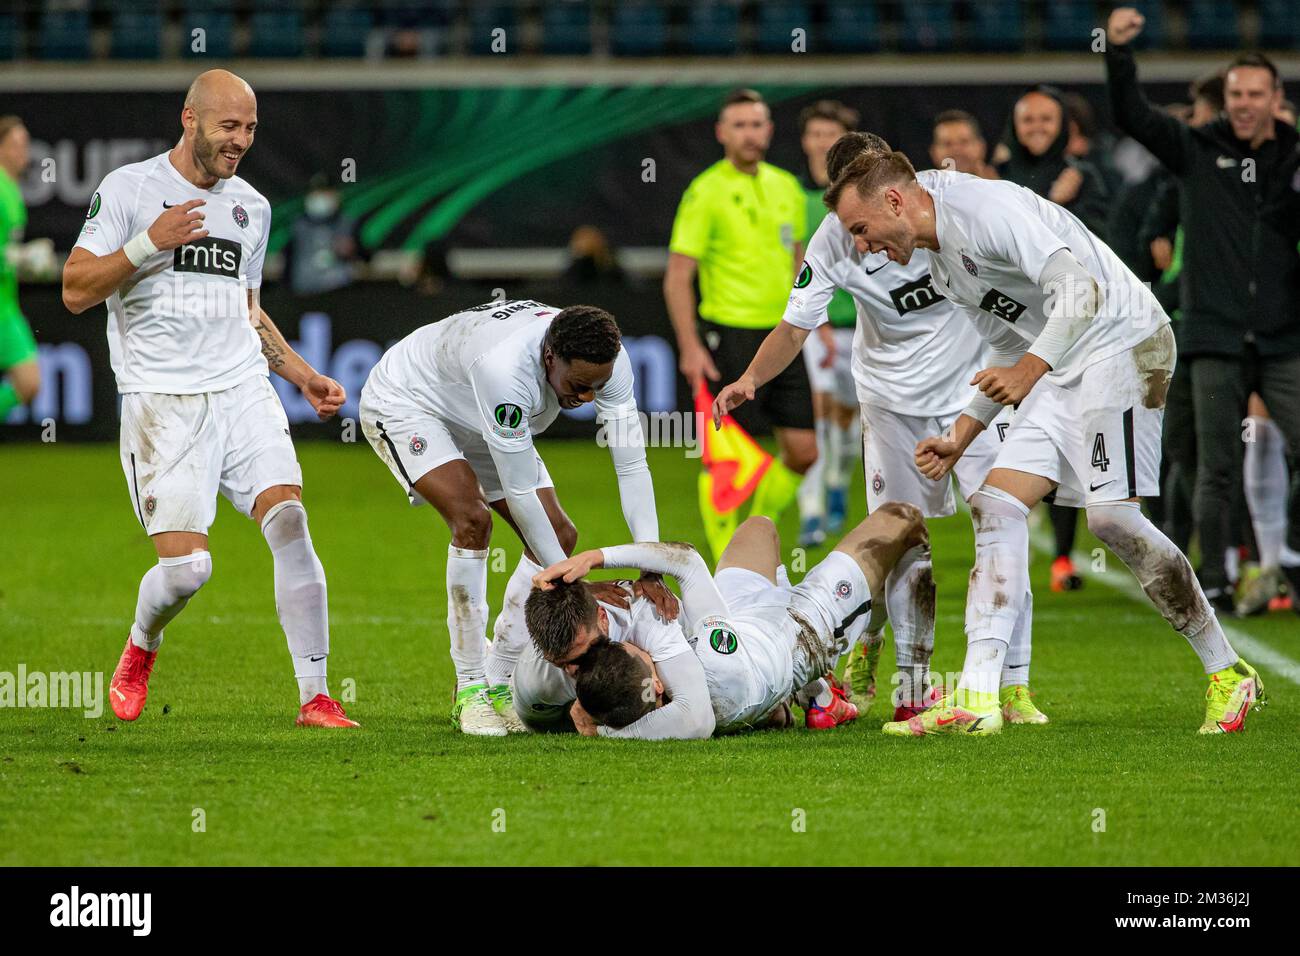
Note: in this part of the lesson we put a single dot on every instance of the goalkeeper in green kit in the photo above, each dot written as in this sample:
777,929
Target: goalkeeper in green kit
22,377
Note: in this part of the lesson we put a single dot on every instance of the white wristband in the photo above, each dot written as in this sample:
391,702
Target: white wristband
139,248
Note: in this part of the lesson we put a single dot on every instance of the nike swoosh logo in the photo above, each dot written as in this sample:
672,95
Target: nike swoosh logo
169,205
315,659
872,272
975,725
1102,485
944,723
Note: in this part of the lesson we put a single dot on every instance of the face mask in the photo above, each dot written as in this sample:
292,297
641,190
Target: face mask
321,205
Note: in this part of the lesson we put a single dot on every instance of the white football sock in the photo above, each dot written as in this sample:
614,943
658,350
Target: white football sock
164,590
999,582
847,442
301,599
812,490
510,632
1015,666
467,613
1266,485
909,599
1165,576
816,692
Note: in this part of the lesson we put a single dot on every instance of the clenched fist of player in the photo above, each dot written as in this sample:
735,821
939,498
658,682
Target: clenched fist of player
178,225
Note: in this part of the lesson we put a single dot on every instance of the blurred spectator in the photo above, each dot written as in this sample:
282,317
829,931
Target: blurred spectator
1088,143
1036,141
957,137
590,258
322,249
19,368
1240,295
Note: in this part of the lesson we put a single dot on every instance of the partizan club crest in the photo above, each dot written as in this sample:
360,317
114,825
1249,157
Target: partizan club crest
240,215
877,483
969,263
418,445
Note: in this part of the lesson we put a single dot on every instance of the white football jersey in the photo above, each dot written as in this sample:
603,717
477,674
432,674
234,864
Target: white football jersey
482,368
641,625
913,352
747,665
180,325
995,238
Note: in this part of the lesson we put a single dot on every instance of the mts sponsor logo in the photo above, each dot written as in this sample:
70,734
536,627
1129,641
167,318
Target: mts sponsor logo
210,256
74,908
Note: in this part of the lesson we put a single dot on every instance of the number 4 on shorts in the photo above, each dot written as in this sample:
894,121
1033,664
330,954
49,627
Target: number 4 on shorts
1099,459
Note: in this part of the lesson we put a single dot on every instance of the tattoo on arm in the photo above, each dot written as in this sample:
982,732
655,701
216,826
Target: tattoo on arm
273,350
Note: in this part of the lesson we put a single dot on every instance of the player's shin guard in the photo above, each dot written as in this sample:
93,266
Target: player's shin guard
1165,576
164,590
998,584
909,596
510,632
301,599
467,613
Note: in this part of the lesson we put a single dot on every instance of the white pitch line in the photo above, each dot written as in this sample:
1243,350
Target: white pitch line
1250,647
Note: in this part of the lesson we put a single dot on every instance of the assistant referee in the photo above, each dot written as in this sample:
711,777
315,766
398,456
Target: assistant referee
741,225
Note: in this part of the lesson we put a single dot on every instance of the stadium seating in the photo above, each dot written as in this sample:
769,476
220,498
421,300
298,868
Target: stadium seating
852,26
10,37
275,29
639,29
1068,25
777,22
216,18
927,27
713,28
65,35
136,32
344,32
566,28
996,26
1212,24
1279,24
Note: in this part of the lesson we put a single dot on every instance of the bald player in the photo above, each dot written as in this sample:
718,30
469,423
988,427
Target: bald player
175,245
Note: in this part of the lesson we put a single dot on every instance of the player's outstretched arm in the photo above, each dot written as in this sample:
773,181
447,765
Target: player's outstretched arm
89,279
1166,137
700,596
781,347
325,395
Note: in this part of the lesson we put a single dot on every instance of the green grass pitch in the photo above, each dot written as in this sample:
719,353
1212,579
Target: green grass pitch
1123,692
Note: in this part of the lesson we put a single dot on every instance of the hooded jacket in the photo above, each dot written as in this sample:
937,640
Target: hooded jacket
1039,172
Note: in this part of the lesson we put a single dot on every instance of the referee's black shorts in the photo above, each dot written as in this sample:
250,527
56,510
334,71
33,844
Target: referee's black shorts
784,402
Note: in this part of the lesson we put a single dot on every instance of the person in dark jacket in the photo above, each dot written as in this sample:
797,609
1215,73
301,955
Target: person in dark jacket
1038,136
1240,283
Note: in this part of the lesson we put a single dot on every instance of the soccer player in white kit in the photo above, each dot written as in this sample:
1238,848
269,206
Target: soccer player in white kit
1086,352
914,354
175,244
452,410
755,639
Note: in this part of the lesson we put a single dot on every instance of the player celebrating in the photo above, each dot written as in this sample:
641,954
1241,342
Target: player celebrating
755,639
824,492
914,354
1085,350
452,410
176,244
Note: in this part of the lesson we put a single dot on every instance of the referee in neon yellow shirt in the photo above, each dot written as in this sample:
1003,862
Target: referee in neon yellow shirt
742,226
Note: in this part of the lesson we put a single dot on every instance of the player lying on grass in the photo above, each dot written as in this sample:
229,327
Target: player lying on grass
754,640
914,354
1085,351
452,410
